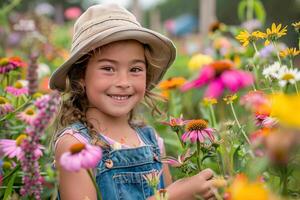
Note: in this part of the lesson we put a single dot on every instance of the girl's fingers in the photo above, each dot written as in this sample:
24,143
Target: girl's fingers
207,174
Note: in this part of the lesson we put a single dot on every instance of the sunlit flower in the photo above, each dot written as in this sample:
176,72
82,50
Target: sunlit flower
173,162
255,100
296,25
81,156
172,83
289,52
8,64
12,148
18,89
230,98
245,37
153,178
286,76
271,71
5,106
207,101
242,188
175,123
274,33
198,60
220,75
28,115
284,107
198,130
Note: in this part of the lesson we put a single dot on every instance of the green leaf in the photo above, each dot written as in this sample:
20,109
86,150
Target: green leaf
241,10
259,11
9,188
236,160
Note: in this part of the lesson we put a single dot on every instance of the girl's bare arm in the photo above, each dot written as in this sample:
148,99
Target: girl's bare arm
73,185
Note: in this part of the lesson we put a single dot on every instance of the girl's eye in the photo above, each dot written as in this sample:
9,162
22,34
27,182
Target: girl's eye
136,69
108,69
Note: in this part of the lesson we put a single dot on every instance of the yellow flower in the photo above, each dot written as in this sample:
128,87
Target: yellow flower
274,33
283,108
207,101
172,83
245,37
242,189
296,25
198,60
230,98
292,52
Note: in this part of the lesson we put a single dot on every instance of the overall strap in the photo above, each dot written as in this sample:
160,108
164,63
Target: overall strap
148,135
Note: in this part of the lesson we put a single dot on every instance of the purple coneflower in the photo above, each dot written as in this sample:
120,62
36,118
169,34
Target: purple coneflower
81,156
218,76
28,115
8,64
197,130
5,106
18,89
12,148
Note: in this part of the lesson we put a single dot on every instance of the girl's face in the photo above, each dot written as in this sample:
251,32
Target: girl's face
115,78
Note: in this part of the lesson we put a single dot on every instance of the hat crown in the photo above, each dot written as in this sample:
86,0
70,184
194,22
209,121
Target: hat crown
99,18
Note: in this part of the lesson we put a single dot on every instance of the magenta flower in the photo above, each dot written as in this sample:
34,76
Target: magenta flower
254,100
18,89
12,148
8,64
5,106
218,76
264,120
197,130
81,156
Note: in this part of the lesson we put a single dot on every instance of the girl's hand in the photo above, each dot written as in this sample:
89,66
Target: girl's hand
200,185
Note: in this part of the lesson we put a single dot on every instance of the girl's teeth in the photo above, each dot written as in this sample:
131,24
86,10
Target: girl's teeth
120,98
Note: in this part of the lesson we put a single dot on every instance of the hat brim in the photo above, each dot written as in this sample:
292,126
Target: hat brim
162,51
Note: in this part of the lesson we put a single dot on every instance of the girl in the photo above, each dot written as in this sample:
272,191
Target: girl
114,63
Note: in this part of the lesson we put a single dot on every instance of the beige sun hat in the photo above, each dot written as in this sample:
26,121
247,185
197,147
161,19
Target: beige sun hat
106,23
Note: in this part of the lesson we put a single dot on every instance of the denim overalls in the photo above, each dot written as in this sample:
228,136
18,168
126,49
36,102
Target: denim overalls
119,174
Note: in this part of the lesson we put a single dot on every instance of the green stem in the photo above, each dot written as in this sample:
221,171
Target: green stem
16,110
255,48
296,88
249,10
213,116
291,63
95,184
277,51
284,181
178,136
240,127
198,156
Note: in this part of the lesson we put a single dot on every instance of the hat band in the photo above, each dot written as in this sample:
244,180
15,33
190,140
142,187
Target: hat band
101,27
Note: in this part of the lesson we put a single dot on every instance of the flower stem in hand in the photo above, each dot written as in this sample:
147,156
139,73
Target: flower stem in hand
95,184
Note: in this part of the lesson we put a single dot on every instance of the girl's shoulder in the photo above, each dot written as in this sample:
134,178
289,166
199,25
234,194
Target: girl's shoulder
75,130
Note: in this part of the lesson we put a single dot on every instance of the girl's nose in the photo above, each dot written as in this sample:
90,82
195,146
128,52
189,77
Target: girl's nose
122,80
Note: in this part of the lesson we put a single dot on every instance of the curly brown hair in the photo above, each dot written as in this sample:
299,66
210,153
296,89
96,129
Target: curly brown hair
74,101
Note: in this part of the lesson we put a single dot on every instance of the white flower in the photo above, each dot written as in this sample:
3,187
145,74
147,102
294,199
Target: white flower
272,70
43,70
286,76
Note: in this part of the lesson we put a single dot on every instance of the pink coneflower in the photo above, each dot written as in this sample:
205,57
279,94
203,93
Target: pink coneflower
179,161
8,64
264,120
254,100
18,89
12,148
5,106
28,115
197,130
218,76
175,123
81,156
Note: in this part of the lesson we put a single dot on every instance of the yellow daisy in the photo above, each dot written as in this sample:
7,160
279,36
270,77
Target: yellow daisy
207,101
245,37
172,83
198,60
296,25
274,33
291,52
230,98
